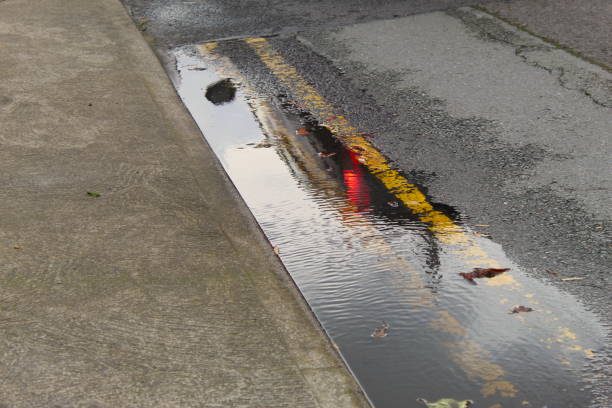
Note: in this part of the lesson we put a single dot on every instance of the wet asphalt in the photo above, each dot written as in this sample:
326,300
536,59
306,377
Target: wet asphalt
542,229
552,235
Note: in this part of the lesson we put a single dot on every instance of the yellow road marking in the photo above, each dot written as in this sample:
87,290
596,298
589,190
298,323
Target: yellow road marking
445,230
473,359
439,223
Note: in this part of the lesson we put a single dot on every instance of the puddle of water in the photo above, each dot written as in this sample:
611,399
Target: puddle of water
360,257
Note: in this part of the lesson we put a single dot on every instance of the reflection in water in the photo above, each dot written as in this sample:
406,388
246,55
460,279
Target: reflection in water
360,259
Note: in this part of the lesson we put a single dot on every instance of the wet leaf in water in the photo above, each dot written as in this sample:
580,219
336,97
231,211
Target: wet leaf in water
446,403
551,272
522,309
482,273
302,131
381,331
393,204
221,92
93,194
276,250
323,154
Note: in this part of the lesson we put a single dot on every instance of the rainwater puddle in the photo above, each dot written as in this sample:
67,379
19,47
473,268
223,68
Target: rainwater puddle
361,257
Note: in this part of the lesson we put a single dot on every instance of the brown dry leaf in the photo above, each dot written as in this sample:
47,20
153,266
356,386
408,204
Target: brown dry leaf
276,250
521,309
381,331
323,154
482,273
302,131
575,278
331,117
334,345
17,246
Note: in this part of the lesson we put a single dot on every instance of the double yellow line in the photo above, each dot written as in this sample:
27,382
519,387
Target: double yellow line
472,358
439,223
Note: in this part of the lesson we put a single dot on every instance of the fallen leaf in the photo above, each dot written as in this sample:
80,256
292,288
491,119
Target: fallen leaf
575,278
93,194
381,331
323,154
334,345
551,272
302,131
393,204
17,246
276,250
523,309
482,235
446,403
482,273
331,117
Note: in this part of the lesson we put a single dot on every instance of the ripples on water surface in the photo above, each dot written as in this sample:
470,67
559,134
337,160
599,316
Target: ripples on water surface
360,257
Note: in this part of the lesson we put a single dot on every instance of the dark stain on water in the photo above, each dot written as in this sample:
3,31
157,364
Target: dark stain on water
386,290
221,92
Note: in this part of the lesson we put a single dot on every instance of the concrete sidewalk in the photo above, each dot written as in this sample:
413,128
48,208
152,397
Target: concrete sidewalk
161,292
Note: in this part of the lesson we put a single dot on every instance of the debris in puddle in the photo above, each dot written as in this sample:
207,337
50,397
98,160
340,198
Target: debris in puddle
521,309
446,403
551,272
482,235
194,68
93,194
334,345
221,92
482,225
302,131
323,154
276,250
331,117
574,278
263,144
381,331
482,273
393,204
17,246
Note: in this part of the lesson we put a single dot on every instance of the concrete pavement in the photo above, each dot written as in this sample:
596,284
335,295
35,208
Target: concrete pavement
156,289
